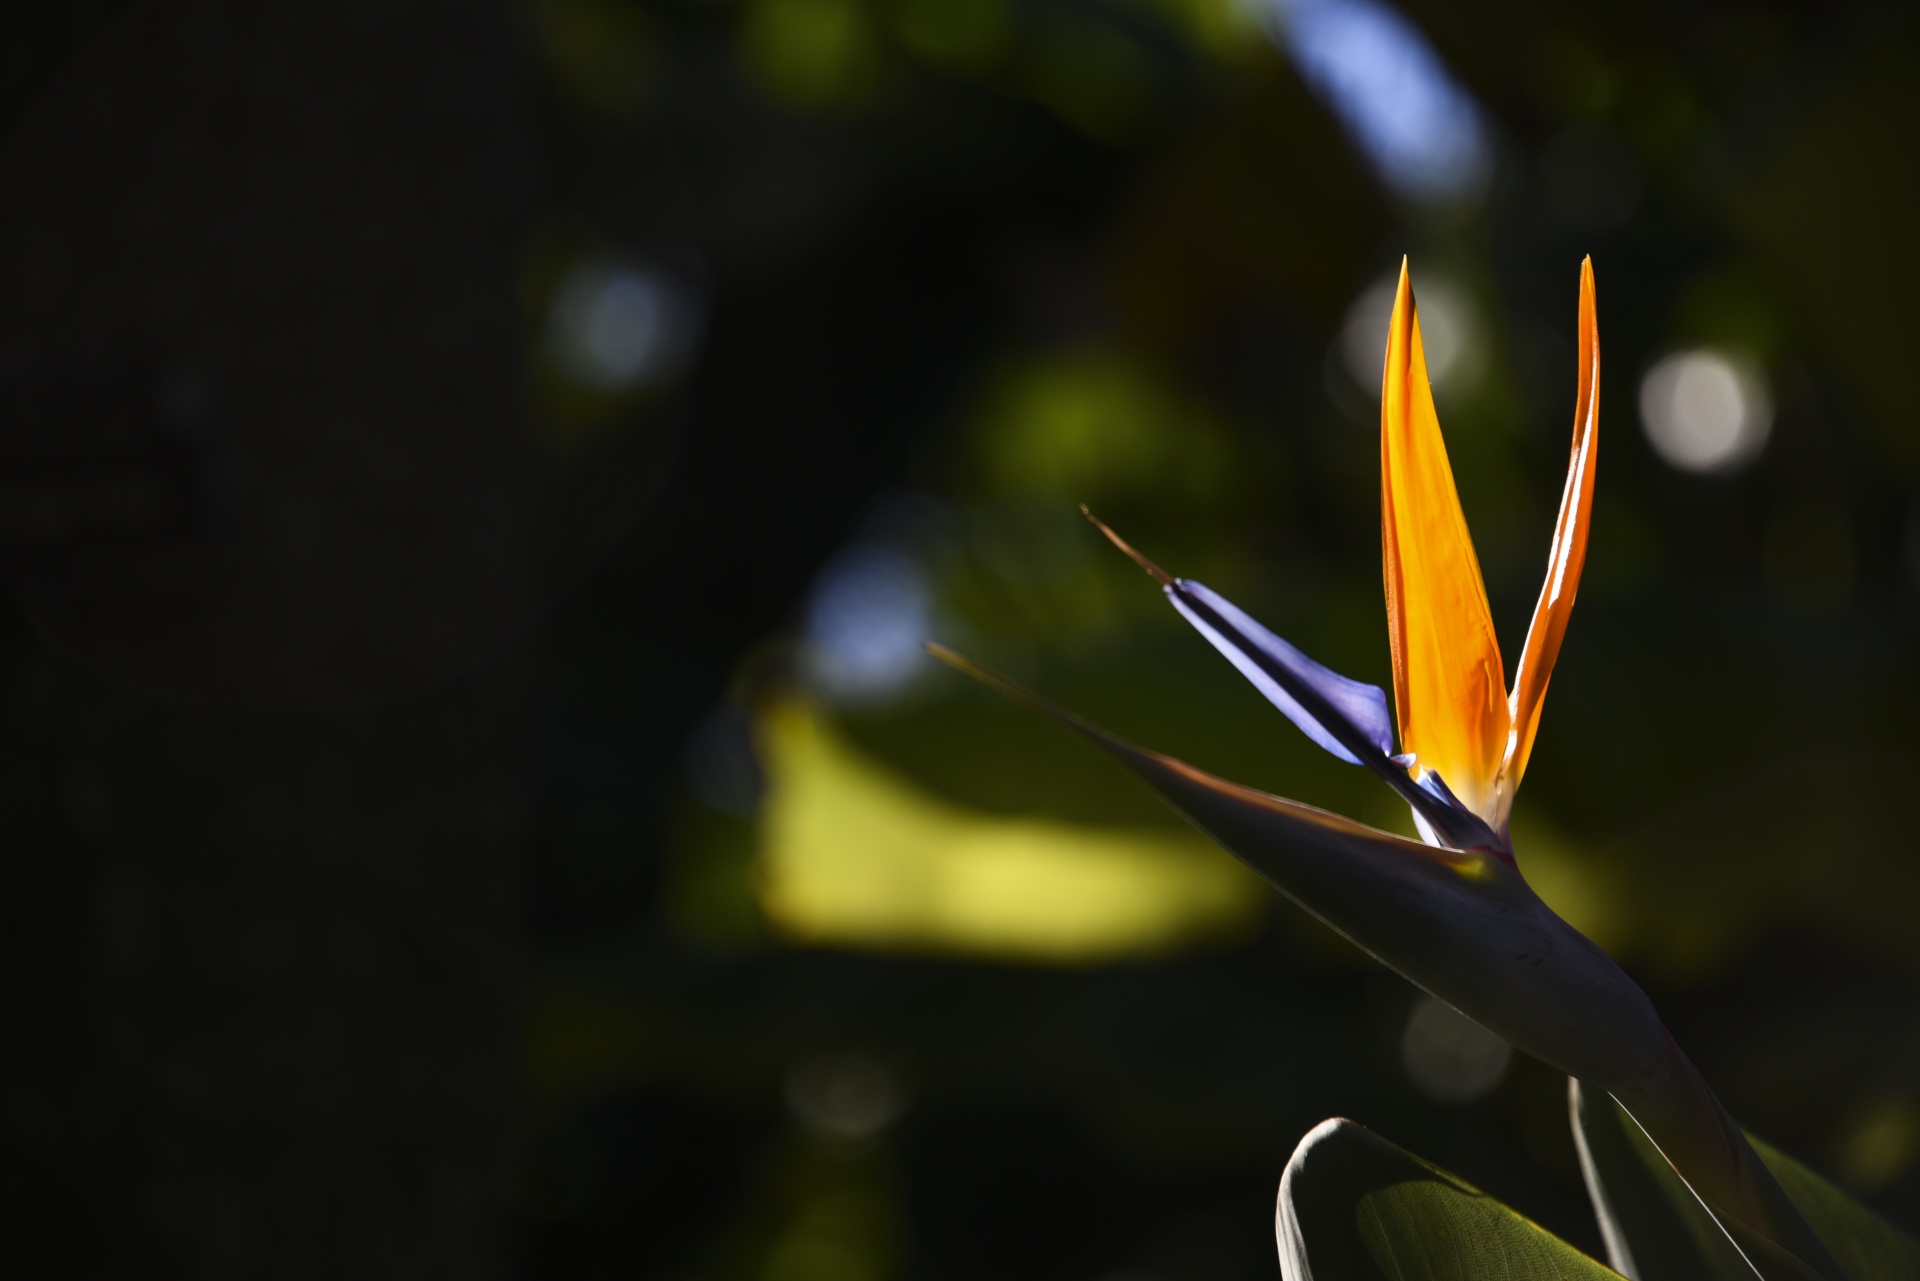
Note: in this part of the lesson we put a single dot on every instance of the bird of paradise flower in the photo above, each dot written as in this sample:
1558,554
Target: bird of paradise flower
1454,914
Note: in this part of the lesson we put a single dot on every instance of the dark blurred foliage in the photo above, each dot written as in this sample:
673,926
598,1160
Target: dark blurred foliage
380,813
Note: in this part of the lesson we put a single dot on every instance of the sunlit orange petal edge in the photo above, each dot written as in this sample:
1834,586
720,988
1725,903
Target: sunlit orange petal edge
1448,681
1565,560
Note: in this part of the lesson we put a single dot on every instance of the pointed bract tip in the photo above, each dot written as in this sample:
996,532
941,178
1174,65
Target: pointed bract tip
1160,575
949,657
1403,303
992,680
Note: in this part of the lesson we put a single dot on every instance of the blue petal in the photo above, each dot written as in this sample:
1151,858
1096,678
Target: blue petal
1347,717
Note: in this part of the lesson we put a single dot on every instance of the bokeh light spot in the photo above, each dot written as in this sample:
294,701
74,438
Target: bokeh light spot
1882,1143
1706,409
1377,72
1448,1056
615,326
810,52
848,1096
868,618
1450,329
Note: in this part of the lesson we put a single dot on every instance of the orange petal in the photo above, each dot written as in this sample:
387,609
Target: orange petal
1448,683
1567,557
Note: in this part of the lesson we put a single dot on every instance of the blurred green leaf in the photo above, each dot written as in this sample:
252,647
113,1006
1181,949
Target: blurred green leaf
1354,1206
852,855
1866,1245
1656,1229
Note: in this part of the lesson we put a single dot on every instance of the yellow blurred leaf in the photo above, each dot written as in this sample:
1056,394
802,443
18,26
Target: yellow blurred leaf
852,855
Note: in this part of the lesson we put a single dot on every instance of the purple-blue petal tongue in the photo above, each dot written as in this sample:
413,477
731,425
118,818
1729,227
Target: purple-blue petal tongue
1347,717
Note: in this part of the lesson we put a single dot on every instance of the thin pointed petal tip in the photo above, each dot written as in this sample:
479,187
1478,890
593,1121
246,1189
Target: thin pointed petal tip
961,663
1405,310
1011,689
1159,575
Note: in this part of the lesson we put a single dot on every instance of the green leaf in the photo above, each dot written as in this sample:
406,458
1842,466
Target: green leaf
1354,1207
1867,1246
1656,1230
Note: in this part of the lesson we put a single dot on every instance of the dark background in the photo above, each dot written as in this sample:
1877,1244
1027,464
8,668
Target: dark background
380,681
